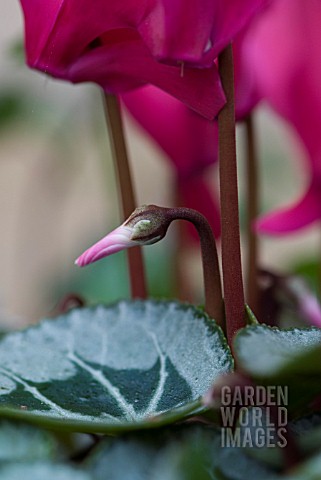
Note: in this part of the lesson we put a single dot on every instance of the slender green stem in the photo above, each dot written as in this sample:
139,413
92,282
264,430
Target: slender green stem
252,213
231,251
115,127
211,271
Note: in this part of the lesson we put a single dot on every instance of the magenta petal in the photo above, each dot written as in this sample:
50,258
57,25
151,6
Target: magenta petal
117,240
175,32
196,34
40,19
189,140
58,31
284,48
79,42
247,94
286,220
123,66
228,22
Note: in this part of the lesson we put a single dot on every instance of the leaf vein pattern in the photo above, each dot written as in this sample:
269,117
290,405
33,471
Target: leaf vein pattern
162,376
127,408
35,392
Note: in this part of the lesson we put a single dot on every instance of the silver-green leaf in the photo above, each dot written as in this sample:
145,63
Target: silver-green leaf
130,365
266,352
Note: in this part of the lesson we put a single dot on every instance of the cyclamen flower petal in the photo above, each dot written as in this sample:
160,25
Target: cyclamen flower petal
297,216
101,42
284,45
124,65
189,140
247,95
284,49
119,239
196,34
120,44
311,310
305,301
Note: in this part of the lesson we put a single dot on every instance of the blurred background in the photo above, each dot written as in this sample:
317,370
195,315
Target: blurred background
58,191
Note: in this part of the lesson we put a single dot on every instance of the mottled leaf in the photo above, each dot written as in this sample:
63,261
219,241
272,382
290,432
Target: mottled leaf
182,454
42,471
130,365
190,453
21,442
269,352
27,452
309,470
289,358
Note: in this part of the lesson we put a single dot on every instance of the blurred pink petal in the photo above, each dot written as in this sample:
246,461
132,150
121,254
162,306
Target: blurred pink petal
247,94
305,301
299,215
284,45
311,310
119,239
283,51
189,140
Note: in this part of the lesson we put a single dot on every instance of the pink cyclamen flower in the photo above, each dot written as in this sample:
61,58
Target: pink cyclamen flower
119,44
284,51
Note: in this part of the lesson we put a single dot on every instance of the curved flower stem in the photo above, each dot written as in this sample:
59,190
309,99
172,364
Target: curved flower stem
211,271
115,127
231,251
147,225
252,213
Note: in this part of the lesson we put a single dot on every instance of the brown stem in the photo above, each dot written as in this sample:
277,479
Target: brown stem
231,251
115,127
211,270
252,213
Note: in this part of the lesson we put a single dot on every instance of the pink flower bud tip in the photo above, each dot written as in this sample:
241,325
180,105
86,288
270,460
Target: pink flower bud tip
119,239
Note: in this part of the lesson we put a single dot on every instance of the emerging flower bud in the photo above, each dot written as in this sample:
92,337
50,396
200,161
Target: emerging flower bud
146,225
